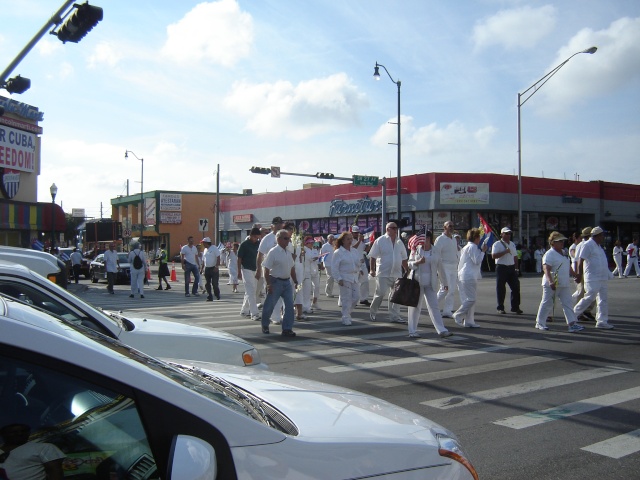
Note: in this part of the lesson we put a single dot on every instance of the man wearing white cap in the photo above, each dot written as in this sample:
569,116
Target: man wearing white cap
446,247
595,265
210,262
507,269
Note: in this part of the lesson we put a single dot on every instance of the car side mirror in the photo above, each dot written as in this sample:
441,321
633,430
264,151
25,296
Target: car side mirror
191,458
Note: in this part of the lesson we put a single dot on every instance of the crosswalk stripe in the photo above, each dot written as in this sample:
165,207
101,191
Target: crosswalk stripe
569,409
408,360
617,447
359,349
526,387
459,372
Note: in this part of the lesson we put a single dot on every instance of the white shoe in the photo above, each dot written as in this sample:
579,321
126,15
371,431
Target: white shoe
472,325
447,314
399,320
605,326
346,323
458,320
260,305
256,318
414,335
276,322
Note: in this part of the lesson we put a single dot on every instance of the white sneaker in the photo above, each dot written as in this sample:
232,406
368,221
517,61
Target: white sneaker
605,326
541,327
346,323
414,335
276,322
458,320
256,318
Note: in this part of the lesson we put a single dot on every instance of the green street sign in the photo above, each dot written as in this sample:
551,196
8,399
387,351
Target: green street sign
365,181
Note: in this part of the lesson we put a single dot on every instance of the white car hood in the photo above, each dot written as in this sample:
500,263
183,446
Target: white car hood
324,412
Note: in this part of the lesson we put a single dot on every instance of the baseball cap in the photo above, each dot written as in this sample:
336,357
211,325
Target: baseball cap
586,231
276,220
505,230
355,228
596,231
206,239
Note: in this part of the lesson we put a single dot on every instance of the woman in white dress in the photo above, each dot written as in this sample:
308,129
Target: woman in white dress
345,271
617,257
232,265
468,275
425,263
557,284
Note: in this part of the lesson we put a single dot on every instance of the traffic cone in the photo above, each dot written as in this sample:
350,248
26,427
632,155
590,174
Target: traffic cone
174,277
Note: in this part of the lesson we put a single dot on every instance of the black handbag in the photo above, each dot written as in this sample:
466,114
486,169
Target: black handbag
406,291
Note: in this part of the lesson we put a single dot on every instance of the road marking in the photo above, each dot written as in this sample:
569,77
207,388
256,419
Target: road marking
526,387
460,372
408,360
617,447
569,409
360,348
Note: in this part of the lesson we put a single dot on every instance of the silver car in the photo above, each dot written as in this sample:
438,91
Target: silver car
158,338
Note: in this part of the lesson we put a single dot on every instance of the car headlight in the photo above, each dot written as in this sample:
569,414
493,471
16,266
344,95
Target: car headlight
251,357
450,448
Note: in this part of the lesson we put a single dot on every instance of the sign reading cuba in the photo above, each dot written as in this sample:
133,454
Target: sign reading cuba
17,149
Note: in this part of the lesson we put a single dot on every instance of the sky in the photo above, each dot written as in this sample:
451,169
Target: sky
189,85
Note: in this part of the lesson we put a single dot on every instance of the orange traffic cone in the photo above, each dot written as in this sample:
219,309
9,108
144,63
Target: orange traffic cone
174,277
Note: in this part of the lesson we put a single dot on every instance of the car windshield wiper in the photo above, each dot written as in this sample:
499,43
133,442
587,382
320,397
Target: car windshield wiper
122,321
256,407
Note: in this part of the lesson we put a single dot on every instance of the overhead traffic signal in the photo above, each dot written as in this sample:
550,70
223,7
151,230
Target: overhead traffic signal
262,170
324,175
17,84
79,23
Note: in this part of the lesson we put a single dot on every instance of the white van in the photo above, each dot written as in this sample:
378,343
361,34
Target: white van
43,263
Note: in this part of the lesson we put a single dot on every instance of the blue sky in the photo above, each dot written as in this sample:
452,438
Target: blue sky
189,85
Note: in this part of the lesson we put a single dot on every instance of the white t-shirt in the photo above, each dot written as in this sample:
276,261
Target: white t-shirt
279,262
559,264
26,462
501,246
596,266
389,256
267,243
190,254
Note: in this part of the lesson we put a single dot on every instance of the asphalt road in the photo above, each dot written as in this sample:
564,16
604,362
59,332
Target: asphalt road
524,403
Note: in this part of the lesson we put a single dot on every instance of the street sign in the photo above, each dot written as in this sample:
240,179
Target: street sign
275,172
126,233
203,225
365,181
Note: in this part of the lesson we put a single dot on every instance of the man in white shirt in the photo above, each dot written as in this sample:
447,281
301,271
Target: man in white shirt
587,314
388,258
507,269
267,243
446,246
279,269
111,265
210,262
358,248
596,278
190,264
632,258
327,253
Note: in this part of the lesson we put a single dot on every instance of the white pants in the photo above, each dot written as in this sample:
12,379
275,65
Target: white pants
632,261
315,285
363,281
428,296
563,295
451,272
349,298
618,271
249,303
137,281
383,288
467,310
306,295
328,289
597,291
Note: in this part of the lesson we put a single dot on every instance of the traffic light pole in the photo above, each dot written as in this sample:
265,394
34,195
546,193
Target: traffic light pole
56,19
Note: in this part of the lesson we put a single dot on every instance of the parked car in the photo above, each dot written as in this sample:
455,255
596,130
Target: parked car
84,266
161,338
47,265
118,413
99,272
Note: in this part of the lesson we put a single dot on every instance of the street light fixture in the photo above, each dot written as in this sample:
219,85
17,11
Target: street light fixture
376,75
141,193
522,98
54,191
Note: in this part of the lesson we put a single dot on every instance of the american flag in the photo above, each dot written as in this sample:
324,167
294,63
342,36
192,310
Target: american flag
418,239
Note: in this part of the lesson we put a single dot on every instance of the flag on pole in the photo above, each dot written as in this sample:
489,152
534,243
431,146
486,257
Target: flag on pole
369,235
418,239
486,232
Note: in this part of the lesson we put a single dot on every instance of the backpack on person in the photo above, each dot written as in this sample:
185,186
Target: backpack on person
137,262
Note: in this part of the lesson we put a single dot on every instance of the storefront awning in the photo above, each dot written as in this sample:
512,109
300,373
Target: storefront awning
31,216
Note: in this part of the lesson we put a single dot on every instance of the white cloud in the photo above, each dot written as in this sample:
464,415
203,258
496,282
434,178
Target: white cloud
47,48
216,32
520,27
104,53
431,140
613,67
298,111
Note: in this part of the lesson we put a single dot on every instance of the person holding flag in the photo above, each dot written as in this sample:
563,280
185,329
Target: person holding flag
468,275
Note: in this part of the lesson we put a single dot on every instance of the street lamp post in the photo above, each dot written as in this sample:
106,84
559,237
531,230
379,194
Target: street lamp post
54,191
141,194
522,98
376,75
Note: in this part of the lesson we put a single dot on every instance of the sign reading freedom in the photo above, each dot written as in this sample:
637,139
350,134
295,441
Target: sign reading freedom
17,149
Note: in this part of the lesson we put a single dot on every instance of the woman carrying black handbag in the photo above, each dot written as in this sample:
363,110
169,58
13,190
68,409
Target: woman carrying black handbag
425,263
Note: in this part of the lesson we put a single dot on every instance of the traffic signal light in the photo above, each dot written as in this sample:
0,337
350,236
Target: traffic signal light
324,175
79,23
17,84
262,170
